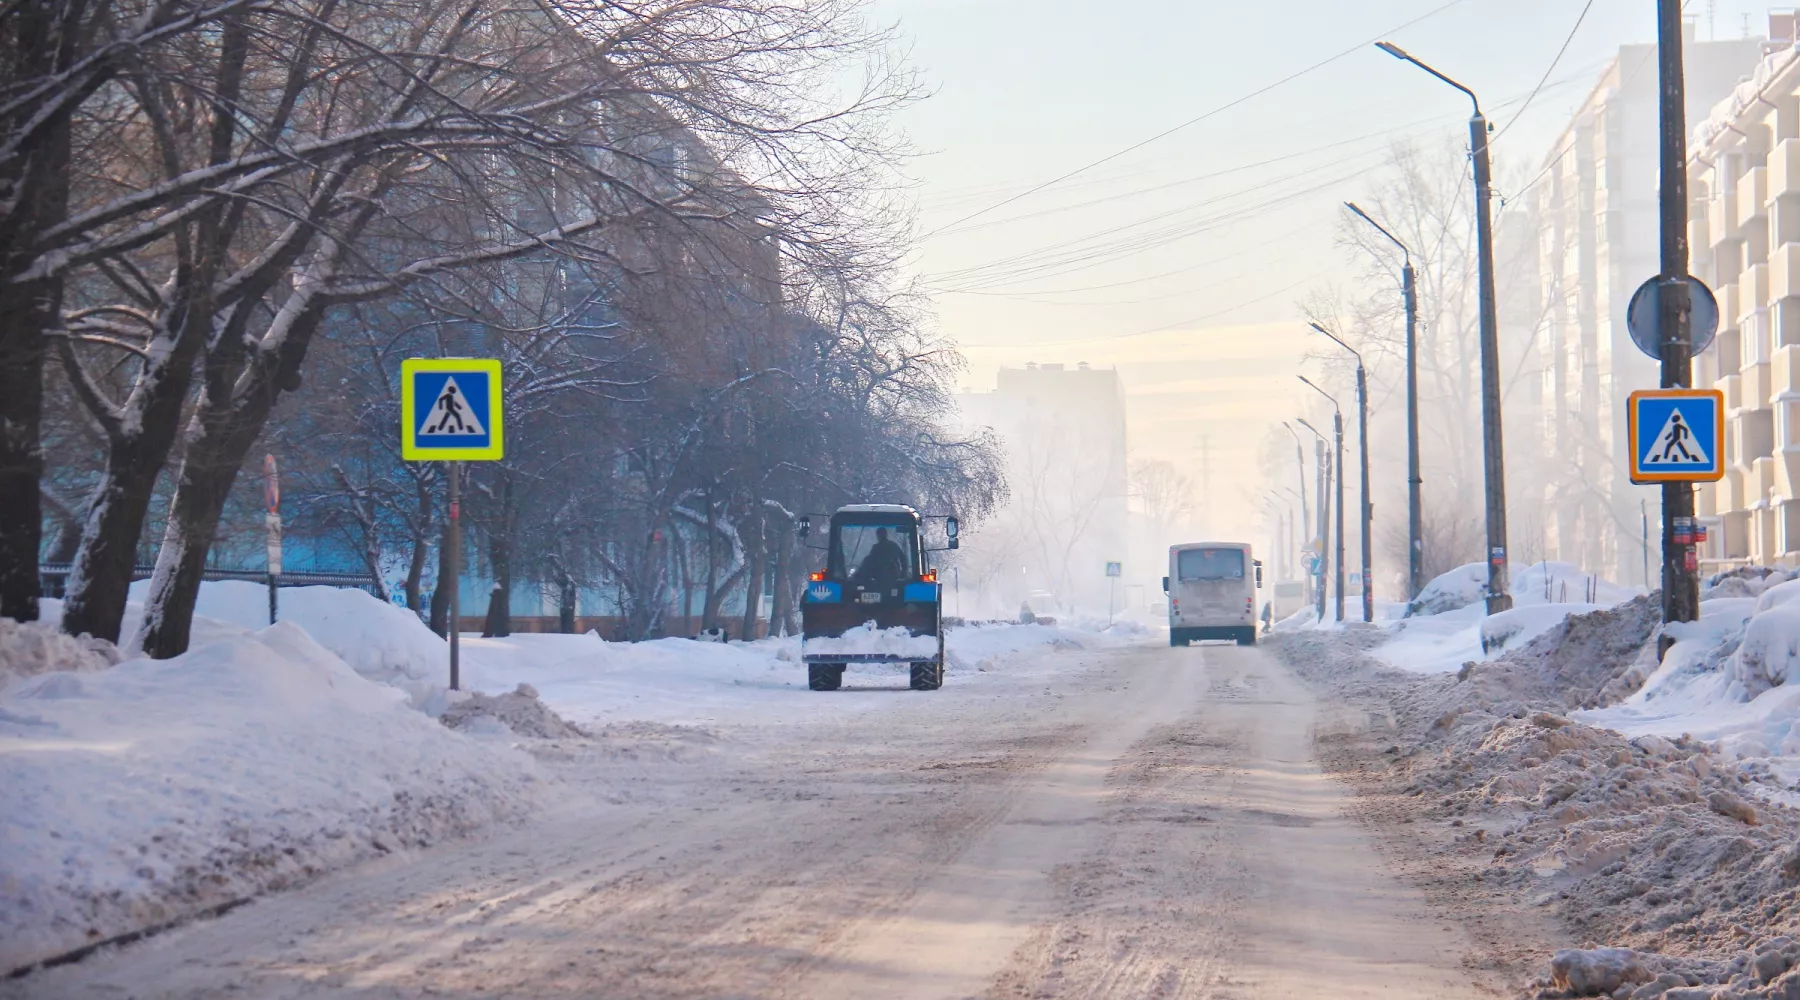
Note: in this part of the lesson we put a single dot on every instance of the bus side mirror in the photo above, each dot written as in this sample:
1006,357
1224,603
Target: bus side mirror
1259,574
1165,584
804,526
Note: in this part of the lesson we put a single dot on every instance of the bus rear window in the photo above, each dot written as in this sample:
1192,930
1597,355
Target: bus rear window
1210,564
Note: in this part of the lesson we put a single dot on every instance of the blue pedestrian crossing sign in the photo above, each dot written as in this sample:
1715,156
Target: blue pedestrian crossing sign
1677,435
450,410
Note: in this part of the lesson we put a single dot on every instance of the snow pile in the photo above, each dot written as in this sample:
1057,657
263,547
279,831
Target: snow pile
896,643
157,789
1458,588
1745,581
1655,845
31,648
1440,641
384,642
515,713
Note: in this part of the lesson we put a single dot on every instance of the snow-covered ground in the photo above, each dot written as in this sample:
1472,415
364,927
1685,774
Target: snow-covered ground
151,790
142,792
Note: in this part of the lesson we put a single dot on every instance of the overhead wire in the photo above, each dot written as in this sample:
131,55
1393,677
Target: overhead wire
1198,118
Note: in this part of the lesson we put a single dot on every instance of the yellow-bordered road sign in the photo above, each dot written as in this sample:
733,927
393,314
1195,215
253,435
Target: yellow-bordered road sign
1676,435
450,410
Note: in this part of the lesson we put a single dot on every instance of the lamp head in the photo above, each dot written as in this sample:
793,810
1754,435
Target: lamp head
1393,50
1319,328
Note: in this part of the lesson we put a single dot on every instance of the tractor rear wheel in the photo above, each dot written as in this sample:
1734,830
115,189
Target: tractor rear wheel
824,676
927,676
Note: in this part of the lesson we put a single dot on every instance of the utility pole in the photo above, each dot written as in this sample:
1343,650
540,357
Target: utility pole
1415,518
1681,591
1493,460
1337,422
1368,508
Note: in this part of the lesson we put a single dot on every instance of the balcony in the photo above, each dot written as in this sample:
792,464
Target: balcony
1730,490
1759,381
1784,169
1733,387
1784,272
1753,196
1786,368
1727,296
1787,475
1752,290
1722,216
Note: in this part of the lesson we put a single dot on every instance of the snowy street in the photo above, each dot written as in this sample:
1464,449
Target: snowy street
1122,821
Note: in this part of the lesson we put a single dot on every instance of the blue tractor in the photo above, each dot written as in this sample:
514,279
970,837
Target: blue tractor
876,600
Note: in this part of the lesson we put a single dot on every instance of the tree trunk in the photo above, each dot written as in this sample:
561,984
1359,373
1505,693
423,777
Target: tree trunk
778,619
709,607
440,588
100,577
42,39
421,548
23,316
499,609
207,473
755,555
566,604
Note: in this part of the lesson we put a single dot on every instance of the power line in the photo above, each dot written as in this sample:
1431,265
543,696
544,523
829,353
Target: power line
1551,69
1197,119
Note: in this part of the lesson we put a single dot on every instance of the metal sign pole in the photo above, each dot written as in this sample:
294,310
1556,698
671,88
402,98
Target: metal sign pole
1681,601
454,470
272,520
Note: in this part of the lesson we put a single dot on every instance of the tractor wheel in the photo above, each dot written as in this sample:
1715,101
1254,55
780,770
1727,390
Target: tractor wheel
824,676
927,676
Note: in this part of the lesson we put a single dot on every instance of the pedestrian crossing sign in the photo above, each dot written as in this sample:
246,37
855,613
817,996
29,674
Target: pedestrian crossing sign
1677,435
450,410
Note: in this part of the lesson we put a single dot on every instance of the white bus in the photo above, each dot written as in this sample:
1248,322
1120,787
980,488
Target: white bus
1212,592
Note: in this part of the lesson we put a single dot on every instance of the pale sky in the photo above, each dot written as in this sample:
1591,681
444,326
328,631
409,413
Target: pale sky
1194,296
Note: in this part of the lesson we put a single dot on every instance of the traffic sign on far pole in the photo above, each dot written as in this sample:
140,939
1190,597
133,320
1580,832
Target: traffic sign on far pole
1677,435
450,412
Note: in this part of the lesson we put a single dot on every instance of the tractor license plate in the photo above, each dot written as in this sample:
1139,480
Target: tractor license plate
870,597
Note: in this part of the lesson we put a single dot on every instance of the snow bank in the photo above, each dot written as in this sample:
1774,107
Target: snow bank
151,790
31,648
866,640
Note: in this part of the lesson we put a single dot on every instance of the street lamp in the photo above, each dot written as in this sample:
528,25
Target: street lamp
1368,510
1338,465
1337,426
1497,597
1322,507
1415,525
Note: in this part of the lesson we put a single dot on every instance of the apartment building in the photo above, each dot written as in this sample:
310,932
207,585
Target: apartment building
1596,218
1744,233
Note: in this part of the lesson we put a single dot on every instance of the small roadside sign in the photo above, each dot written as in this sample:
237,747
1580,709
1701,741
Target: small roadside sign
450,410
1115,569
1676,435
1643,316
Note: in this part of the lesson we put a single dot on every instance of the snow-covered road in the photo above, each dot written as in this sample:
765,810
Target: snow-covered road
1146,821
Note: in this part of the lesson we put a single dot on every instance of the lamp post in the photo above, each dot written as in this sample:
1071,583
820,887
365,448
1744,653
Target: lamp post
1338,466
1498,599
1300,462
1368,510
1415,518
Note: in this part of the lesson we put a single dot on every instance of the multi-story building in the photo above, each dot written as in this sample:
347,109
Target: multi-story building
1744,234
1064,433
1595,210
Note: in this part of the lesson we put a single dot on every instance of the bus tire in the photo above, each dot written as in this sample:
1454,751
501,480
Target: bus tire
824,676
927,676
1247,636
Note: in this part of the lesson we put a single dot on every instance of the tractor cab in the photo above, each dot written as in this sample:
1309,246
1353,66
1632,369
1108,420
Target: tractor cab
876,600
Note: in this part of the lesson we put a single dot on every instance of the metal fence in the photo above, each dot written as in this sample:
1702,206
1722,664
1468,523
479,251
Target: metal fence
53,578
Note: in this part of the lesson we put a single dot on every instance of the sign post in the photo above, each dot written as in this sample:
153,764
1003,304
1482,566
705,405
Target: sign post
451,412
272,520
1113,572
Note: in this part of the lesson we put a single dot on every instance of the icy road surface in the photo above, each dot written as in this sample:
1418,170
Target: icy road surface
1150,822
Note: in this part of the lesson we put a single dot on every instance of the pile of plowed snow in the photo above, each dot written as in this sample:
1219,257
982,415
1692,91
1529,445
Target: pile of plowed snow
1662,848
152,790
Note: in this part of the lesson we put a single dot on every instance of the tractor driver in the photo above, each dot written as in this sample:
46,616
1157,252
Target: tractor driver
885,563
